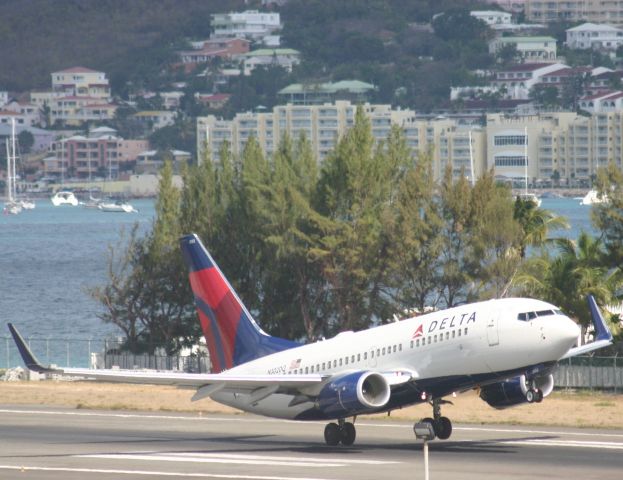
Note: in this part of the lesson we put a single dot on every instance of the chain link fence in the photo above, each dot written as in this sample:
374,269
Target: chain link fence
603,373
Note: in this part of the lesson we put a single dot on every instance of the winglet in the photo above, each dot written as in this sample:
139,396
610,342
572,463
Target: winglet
29,358
603,335
602,332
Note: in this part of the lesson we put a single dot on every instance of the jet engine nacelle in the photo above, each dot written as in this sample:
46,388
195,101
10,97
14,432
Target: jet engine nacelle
353,393
513,392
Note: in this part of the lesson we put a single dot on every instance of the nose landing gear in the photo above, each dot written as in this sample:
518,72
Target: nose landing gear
342,431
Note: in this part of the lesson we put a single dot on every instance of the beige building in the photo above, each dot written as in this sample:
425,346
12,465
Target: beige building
324,124
536,146
596,11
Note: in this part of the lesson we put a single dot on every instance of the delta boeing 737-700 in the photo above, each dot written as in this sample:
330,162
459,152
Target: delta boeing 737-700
506,348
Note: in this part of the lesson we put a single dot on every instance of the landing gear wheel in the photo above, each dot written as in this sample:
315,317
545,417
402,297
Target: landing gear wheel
530,395
348,434
332,434
443,428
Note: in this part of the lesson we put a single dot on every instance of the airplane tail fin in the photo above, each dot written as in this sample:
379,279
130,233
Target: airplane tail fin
232,336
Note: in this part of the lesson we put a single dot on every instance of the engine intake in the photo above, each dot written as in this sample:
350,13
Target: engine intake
354,393
513,392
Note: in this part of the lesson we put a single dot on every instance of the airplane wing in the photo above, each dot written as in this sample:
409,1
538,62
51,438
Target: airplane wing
256,387
603,336
205,382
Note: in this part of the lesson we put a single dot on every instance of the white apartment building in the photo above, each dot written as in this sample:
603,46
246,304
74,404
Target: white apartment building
590,36
280,57
515,6
251,24
493,17
531,49
596,11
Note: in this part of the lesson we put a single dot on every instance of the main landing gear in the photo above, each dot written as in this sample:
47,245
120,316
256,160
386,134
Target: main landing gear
534,395
342,431
442,426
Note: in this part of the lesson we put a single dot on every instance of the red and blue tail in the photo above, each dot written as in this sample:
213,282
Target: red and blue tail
232,335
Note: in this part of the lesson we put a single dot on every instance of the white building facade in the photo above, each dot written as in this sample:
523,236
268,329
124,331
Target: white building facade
590,36
251,24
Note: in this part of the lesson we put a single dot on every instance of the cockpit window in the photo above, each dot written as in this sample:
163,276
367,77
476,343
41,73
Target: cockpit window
525,316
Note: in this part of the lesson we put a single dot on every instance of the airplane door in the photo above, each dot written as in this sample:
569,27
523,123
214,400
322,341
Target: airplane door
492,329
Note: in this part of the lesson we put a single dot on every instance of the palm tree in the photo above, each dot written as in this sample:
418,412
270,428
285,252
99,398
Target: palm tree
536,223
567,278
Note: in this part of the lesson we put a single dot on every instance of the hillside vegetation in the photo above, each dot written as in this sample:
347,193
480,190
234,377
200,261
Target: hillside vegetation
129,40
385,42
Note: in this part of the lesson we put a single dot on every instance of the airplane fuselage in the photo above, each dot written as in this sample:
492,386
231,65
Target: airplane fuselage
451,350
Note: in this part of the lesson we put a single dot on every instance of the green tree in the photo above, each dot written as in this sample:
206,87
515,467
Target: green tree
25,140
607,216
536,224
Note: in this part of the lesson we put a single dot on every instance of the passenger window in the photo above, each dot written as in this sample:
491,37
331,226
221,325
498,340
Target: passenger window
352,359
359,357
334,363
429,340
435,339
323,366
345,360
383,351
306,369
365,355
395,348
378,352
411,343
453,333
447,335
417,342
400,347
340,362
459,332
465,332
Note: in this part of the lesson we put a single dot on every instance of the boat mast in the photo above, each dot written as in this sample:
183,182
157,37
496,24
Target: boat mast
9,187
525,145
13,172
471,158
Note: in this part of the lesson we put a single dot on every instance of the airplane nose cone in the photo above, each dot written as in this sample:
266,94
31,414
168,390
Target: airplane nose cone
568,330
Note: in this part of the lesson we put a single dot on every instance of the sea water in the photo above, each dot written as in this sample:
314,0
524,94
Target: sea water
50,256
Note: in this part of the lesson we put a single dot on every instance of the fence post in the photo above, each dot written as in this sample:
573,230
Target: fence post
614,366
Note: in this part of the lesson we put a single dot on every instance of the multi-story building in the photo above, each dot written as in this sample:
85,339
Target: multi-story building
516,81
155,119
324,124
492,17
251,24
538,147
590,36
596,11
285,58
102,153
530,49
78,95
81,82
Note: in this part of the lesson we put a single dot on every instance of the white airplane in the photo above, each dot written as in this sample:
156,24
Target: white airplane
506,348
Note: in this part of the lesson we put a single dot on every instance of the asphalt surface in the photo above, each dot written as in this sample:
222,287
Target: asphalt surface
54,443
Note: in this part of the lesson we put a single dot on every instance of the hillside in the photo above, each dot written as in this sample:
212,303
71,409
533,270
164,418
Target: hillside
130,40
384,42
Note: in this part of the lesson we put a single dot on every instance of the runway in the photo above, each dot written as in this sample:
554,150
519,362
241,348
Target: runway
55,443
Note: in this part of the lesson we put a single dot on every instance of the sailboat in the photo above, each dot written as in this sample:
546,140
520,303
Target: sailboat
12,206
63,196
526,196
92,202
115,205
